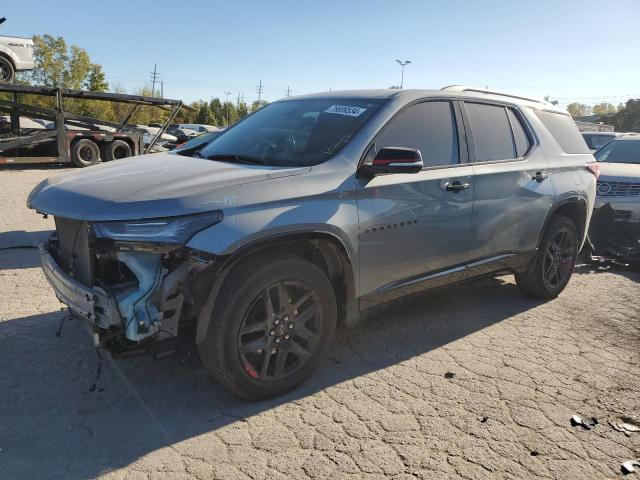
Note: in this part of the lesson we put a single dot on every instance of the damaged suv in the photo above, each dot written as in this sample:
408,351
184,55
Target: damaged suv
313,211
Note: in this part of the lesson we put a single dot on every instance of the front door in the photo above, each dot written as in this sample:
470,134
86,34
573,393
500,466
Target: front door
414,228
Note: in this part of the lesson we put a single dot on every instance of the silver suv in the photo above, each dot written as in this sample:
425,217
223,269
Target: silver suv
313,211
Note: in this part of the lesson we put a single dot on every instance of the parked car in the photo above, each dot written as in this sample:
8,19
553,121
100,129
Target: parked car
150,132
314,211
182,134
196,143
16,54
199,128
615,231
595,140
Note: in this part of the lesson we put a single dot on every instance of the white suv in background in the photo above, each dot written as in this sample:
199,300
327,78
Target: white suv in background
16,54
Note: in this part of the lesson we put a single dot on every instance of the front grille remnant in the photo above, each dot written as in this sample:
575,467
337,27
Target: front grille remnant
73,253
618,189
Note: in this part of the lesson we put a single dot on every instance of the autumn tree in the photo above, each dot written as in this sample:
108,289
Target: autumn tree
604,108
578,109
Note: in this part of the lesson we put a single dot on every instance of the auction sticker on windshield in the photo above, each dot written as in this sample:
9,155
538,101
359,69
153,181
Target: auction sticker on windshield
345,110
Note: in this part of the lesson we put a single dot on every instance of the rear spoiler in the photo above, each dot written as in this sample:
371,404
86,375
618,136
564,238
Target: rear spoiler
2,20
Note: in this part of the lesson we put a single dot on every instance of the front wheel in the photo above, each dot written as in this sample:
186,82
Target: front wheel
554,263
7,72
275,319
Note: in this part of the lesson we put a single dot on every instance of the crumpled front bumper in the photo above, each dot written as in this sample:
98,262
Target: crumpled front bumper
93,305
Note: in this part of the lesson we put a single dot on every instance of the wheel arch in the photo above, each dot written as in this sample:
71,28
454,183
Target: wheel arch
6,54
324,249
576,209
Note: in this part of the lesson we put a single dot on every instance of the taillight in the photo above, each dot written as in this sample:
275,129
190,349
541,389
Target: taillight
594,168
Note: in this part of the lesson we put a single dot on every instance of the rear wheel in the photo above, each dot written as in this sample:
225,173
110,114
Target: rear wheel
7,72
274,321
115,150
85,153
554,263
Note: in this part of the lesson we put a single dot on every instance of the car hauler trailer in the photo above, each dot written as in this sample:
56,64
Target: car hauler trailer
55,141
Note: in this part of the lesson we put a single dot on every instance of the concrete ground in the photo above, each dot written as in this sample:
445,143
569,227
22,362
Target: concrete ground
472,382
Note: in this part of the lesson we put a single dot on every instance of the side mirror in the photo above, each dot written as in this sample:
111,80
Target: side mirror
395,160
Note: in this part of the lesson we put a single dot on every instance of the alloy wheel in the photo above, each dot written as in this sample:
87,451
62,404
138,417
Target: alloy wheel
559,259
280,331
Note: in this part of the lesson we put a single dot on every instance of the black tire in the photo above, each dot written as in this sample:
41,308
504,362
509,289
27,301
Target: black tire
115,150
553,265
7,72
84,153
237,360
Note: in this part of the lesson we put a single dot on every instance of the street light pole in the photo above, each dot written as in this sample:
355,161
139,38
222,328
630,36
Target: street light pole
403,64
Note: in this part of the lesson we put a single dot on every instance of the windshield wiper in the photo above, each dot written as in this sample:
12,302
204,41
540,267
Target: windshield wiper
232,157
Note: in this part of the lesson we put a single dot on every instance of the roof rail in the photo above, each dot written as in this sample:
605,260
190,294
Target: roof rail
464,88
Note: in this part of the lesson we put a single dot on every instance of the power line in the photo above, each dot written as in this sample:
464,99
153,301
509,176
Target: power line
260,89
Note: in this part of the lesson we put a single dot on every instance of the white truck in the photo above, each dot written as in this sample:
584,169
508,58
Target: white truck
16,54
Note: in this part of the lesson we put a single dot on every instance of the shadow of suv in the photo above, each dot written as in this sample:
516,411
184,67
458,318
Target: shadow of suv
315,210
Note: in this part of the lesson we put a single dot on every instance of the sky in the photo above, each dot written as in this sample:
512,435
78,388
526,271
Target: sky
572,50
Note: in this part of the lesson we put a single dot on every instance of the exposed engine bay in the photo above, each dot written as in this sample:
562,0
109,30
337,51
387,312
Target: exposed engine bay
131,293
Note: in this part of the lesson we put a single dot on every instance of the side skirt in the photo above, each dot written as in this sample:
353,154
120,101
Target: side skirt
507,263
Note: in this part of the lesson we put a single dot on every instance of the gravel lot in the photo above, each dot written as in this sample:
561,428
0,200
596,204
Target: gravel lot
384,405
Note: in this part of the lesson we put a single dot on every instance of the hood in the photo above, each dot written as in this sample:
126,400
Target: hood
629,171
147,186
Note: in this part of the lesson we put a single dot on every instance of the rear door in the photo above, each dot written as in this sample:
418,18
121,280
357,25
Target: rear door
411,225
513,194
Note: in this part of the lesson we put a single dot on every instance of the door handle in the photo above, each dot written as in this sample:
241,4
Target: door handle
540,177
455,186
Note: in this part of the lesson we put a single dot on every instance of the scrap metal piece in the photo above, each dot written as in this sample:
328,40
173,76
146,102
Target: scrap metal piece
586,423
630,466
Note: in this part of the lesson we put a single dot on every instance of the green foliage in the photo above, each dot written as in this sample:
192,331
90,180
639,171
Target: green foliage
96,81
59,65
578,109
627,119
205,115
257,105
552,102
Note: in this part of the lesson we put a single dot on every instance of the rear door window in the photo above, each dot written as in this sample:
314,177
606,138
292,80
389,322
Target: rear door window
491,132
564,130
429,127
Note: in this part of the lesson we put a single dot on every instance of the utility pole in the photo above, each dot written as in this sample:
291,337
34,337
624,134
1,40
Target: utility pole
226,107
260,89
154,78
238,101
161,88
403,64
288,92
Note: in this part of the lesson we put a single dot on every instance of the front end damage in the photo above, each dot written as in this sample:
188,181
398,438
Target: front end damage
614,232
132,293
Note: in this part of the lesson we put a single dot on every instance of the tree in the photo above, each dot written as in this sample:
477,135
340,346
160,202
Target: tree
204,115
217,113
51,59
552,102
627,119
96,81
243,110
578,109
257,105
604,108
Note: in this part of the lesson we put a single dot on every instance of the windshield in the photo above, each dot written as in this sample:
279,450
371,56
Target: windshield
620,151
294,132
594,142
